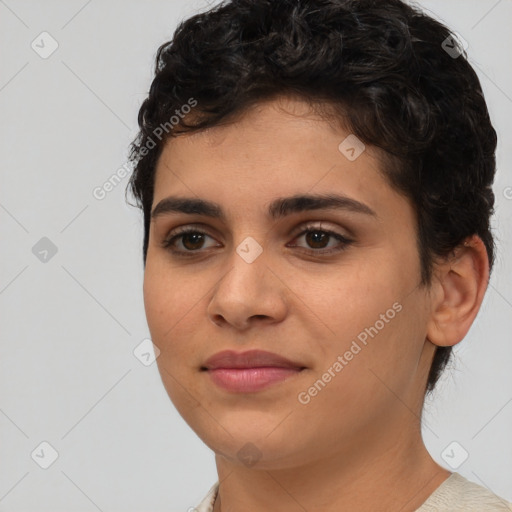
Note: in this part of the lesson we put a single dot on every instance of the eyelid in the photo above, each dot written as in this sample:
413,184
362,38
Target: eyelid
179,231
186,228
300,230
320,226
343,241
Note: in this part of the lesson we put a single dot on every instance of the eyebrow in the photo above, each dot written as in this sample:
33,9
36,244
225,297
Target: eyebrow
278,208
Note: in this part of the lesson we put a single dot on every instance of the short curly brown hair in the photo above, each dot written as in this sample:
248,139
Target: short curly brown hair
383,65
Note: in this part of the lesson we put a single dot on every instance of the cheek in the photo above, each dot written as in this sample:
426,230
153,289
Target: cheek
382,351
171,313
350,302
374,320
174,303
166,301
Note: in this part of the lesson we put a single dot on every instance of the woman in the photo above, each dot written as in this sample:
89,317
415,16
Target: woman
316,182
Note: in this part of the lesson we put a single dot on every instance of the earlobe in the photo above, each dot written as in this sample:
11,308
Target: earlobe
461,282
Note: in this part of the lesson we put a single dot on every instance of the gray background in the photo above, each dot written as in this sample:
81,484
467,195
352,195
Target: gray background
70,324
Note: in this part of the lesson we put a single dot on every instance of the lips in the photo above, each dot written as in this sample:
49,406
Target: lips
249,372
230,359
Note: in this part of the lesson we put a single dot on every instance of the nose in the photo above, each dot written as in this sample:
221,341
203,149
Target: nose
249,293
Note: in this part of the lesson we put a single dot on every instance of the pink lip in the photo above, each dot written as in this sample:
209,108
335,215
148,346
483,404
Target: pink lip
246,380
249,371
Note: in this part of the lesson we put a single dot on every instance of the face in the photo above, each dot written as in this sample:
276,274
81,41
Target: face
333,287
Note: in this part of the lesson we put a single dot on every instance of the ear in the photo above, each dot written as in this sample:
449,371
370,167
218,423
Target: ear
458,290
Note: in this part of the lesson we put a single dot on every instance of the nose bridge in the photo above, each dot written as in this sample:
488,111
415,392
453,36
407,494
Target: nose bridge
247,268
248,289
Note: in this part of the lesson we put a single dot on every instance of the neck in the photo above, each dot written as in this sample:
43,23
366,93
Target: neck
386,471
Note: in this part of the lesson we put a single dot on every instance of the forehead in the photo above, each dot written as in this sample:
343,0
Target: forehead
280,148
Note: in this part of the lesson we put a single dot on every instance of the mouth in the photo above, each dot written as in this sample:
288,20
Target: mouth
249,371
250,380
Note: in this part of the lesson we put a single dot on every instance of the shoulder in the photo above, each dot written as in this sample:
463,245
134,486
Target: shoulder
457,493
206,504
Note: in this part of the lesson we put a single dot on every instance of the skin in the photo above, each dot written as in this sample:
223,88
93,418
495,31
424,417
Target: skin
357,444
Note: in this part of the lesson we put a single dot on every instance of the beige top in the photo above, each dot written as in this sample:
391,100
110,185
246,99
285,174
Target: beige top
455,494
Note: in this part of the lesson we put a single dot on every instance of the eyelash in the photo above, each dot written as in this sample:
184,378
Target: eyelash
168,243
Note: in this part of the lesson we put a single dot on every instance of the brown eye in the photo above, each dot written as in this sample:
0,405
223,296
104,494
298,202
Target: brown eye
191,240
317,240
